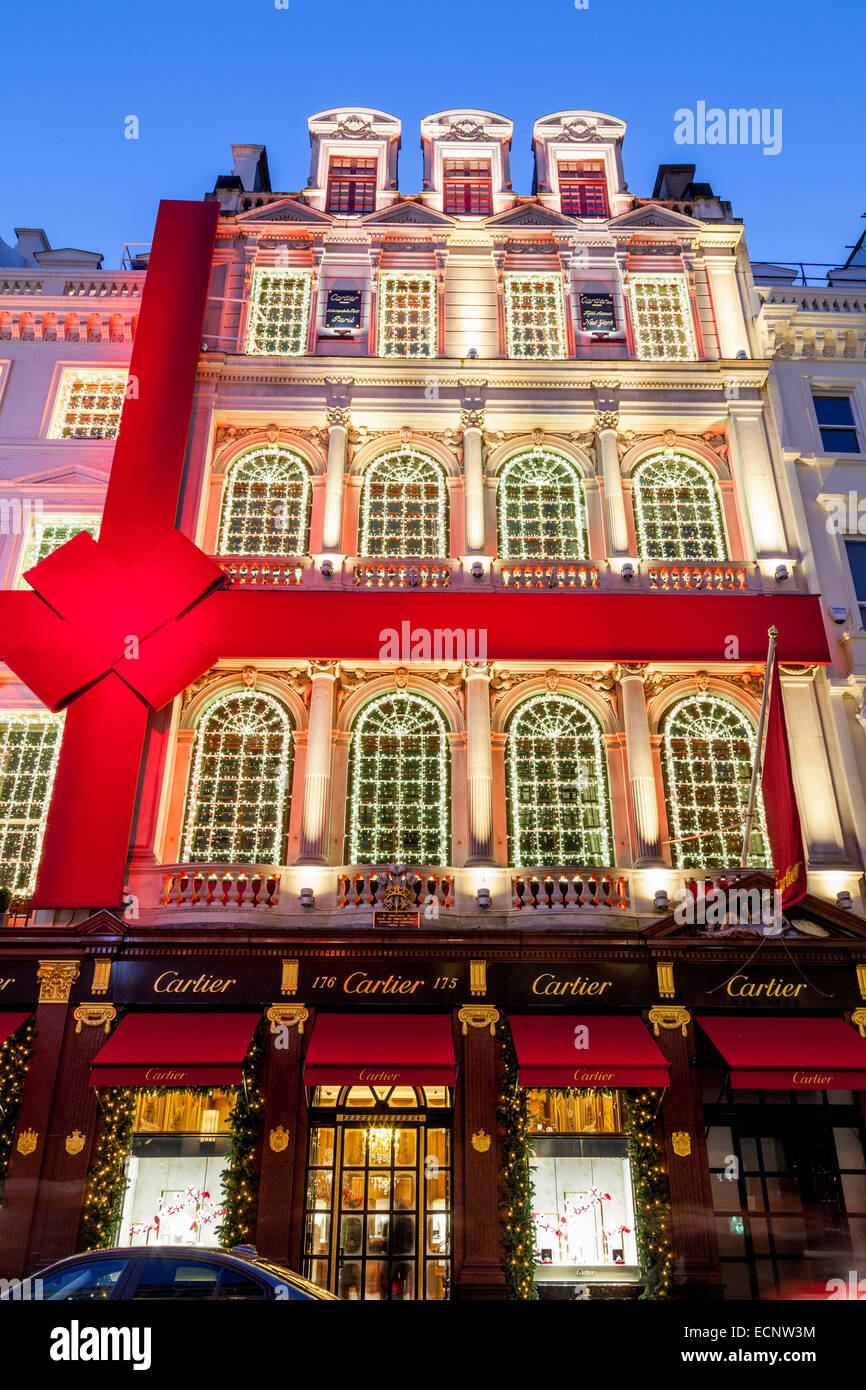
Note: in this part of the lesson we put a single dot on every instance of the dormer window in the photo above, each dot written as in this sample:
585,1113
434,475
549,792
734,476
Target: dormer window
582,188
351,185
468,187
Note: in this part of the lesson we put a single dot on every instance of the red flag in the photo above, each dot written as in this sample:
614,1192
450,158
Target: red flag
780,803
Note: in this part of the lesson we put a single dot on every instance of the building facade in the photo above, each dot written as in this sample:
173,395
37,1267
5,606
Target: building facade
431,880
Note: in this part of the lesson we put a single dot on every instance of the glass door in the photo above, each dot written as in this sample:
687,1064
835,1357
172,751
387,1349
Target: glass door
378,1213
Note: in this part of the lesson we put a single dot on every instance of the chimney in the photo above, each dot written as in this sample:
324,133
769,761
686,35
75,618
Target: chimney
30,240
672,180
251,167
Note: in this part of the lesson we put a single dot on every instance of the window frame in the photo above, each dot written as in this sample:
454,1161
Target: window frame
265,454
61,406
467,180
577,182
673,456
297,335
555,280
642,331
31,824
824,394
365,513
388,302
506,548
367,182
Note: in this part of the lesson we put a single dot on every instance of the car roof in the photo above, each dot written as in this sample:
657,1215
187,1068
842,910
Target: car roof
249,1260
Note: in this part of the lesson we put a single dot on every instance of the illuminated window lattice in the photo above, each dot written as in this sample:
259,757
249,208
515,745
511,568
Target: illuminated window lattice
266,504
404,506
240,783
88,405
49,533
29,746
534,322
558,795
708,749
662,318
541,508
407,315
279,312
676,510
399,780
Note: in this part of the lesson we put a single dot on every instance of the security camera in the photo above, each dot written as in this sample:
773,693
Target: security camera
839,614
477,570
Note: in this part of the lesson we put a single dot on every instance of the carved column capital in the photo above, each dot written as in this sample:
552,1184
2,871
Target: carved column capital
56,978
858,1018
471,419
287,1016
605,420
623,669
478,1016
94,1016
338,415
669,1016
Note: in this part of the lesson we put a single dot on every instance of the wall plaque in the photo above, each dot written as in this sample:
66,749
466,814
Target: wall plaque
597,313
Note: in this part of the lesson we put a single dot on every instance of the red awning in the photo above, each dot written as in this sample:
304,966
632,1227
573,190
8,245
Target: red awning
380,1050
787,1054
613,1051
175,1050
8,1024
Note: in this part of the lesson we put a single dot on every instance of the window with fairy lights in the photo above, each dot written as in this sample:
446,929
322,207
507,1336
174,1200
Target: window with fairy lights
534,319
708,746
88,404
661,316
404,506
279,312
542,513
29,747
407,315
399,777
266,504
557,785
240,781
677,512
51,530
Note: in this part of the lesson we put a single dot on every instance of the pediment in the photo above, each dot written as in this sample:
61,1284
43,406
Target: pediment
287,210
811,920
653,217
408,215
531,215
68,475
104,924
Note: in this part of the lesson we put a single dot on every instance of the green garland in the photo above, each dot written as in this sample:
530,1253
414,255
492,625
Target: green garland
651,1195
515,1206
106,1188
241,1177
15,1054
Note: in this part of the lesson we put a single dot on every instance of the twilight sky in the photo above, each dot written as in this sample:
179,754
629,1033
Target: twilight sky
200,75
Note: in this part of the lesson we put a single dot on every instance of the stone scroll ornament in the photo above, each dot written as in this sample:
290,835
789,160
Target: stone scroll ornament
114,629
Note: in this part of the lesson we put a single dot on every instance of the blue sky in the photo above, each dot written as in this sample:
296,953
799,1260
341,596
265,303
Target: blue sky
200,75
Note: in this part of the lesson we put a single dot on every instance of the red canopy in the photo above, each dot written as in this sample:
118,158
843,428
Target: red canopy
175,1050
785,1054
380,1050
8,1024
608,1051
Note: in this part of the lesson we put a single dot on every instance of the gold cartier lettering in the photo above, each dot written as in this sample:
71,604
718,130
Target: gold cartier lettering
812,1078
164,1075
551,984
741,987
169,982
593,1078
394,984
378,1076
4,983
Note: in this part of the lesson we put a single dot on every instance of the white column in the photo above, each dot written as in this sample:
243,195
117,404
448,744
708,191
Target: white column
473,479
641,777
750,455
727,310
317,768
338,434
479,765
606,422
813,780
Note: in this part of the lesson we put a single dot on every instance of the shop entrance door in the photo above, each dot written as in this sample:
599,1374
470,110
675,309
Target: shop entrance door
378,1196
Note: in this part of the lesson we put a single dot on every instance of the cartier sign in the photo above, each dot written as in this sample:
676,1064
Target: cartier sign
759,985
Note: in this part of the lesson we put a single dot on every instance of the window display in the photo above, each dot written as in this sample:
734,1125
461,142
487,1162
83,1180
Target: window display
583,1204
180,1148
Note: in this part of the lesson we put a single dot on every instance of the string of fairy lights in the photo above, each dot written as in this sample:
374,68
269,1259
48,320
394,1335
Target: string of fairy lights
407,315
279,314
662,318
88,404
266,504
534,317
404,506
541,508
29,749
676,509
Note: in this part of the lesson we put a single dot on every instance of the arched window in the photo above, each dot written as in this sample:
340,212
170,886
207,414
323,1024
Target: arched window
708,748
266,504
404,506
29,746
556,770
399,783
676,509
542,515
240,781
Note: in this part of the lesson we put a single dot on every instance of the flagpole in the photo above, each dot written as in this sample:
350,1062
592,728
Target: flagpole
772,633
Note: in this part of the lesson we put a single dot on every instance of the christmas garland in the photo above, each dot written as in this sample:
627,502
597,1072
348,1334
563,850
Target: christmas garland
15,1054
516,1204
106,1188
241,1177
651,1195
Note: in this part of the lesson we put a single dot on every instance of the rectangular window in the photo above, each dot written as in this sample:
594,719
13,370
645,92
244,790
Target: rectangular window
582,188
88,404
534,321
662,318
407,315
835,415
351,186
468,187
856,551
279,313
54,530
29,747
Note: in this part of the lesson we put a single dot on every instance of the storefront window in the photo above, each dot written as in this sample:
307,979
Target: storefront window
583,1204
180,1149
